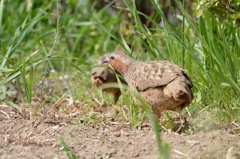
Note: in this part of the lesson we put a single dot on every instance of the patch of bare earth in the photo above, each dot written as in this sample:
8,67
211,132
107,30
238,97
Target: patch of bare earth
38,138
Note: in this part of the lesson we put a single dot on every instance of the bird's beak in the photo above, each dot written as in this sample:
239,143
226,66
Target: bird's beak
106,60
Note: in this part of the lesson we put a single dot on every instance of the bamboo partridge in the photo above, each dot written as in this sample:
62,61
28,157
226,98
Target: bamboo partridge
103,75
162,84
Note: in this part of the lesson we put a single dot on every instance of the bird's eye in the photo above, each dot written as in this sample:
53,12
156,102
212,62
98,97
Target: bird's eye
112,57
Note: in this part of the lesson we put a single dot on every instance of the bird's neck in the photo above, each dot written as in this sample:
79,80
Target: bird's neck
119,66
126,74
122,68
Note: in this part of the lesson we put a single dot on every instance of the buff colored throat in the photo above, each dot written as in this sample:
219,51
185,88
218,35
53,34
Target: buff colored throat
118,65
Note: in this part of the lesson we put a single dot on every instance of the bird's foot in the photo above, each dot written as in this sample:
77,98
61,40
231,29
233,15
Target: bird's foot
101,104
182,126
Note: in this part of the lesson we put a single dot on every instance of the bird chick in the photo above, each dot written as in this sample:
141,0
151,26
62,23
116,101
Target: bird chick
162,84
104,75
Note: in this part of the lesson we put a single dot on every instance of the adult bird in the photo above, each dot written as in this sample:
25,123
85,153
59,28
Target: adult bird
162,84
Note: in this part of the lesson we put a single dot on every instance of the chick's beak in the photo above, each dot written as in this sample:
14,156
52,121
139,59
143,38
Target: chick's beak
106,60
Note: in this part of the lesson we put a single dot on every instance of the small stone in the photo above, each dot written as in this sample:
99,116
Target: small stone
125,133
136,154
117,134
112,153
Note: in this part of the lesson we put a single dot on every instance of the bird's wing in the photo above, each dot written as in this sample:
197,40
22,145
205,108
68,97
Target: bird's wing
154,74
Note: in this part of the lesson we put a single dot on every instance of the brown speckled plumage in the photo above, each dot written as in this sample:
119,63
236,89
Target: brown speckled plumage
162,84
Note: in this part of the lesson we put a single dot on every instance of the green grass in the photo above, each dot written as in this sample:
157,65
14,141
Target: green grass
66,150
44,40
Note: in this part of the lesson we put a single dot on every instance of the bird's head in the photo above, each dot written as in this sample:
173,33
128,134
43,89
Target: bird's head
119,61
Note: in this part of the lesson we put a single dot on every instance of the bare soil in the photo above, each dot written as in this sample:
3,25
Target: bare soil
39,138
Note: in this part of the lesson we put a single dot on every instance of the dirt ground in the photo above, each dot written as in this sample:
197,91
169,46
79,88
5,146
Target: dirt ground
38,138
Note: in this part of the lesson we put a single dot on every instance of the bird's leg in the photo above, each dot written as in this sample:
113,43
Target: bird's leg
116,97
103,103
182,119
